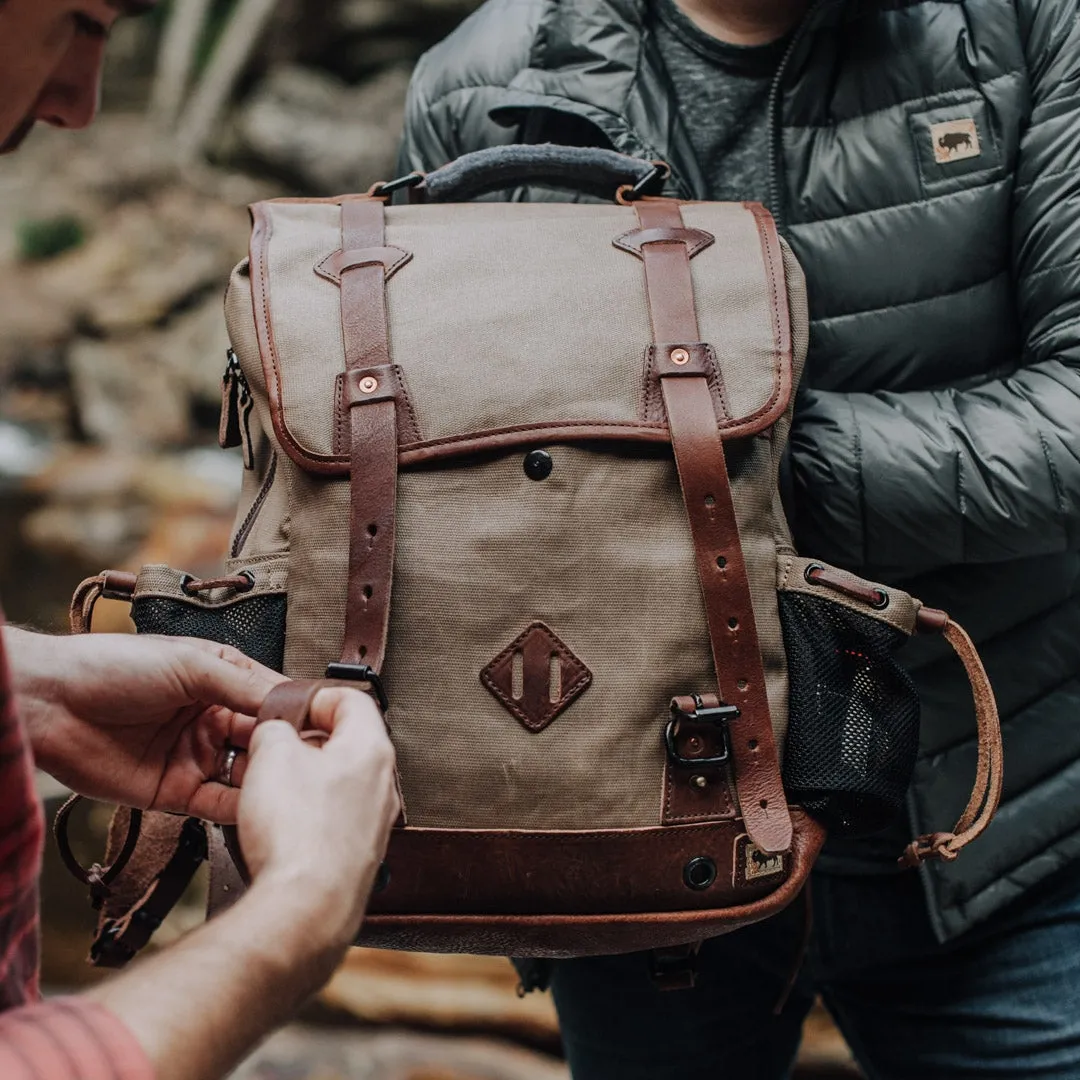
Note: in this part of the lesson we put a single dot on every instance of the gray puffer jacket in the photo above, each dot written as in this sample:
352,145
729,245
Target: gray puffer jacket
937,441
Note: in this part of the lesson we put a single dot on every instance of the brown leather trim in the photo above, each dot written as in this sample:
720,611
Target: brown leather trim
697,792
419,452
118,585
538,644
390,258
931,620
566,935
701,360
774,265
408,426
606,868
696,240
699,455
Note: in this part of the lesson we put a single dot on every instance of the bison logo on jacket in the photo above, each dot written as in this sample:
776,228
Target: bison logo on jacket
955,140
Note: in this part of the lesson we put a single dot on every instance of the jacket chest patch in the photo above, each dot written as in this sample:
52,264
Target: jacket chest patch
955,140
955,146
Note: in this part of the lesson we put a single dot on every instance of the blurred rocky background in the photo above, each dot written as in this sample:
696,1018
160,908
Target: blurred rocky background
115,246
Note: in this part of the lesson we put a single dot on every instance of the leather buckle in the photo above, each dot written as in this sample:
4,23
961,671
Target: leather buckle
360,673
718,716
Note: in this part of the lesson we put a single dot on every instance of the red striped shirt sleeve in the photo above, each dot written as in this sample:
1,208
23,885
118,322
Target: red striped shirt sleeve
69,1039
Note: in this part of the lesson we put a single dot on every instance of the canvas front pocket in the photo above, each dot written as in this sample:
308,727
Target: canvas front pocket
853,731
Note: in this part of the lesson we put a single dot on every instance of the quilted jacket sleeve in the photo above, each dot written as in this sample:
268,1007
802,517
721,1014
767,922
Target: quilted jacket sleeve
423,145
895,484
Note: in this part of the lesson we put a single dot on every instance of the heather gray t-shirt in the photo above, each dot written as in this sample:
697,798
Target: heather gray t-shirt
722,92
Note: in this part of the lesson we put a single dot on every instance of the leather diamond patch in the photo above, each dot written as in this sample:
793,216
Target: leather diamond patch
536,677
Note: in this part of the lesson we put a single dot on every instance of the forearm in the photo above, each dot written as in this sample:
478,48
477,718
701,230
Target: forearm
27,655
200,1006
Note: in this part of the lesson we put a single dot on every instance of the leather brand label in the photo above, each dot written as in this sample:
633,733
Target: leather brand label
536,677
955,140
750,863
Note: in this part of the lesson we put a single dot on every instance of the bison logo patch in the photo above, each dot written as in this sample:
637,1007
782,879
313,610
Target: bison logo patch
751,863
955,140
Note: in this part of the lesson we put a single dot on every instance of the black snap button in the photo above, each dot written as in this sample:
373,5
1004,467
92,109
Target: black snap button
382,878
538,465
699,874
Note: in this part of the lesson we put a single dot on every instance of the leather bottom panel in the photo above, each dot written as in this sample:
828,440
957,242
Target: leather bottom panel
476,872
577,894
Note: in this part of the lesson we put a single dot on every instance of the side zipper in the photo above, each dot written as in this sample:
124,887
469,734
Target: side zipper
236,405
249,521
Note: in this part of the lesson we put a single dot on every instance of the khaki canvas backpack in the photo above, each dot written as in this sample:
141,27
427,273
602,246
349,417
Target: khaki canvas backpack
514,466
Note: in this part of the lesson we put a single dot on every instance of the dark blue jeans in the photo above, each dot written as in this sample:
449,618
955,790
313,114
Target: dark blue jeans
1001,1001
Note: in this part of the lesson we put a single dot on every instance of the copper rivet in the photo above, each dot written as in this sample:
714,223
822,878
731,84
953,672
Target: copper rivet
699,781
369,384
680,357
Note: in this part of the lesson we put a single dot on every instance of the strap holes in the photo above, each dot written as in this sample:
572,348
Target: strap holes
710,500
753,744
733,623
764,804
372,529
721,561
367,592
363,651
742,684
555,679
517,675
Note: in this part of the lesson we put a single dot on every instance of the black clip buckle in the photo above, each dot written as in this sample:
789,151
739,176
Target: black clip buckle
651,182
360,673
719,715
388,187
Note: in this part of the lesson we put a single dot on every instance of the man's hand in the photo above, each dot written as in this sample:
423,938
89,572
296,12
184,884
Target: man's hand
314,824
144,721
314,819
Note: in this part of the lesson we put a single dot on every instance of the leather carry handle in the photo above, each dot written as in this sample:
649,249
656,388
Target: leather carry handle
986,794
587,170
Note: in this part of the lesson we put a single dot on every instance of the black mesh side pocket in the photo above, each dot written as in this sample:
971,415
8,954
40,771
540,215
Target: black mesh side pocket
255,625
853,729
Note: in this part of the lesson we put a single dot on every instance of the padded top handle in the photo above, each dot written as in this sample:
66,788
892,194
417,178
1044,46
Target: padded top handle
588,170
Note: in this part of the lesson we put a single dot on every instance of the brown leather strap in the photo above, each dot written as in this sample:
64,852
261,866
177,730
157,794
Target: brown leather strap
108,585
699,454
989,773
120,939
98,878
291,702
371,391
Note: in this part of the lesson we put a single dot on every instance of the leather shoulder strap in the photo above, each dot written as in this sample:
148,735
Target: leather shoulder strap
681,363
370,394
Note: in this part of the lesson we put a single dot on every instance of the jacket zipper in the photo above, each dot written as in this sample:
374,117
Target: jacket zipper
776,158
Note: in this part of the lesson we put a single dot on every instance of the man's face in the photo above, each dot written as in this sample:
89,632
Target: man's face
50,61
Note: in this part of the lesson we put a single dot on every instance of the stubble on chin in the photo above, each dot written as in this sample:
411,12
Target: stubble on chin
17,137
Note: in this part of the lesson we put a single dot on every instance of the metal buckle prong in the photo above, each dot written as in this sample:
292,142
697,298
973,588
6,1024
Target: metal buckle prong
717,715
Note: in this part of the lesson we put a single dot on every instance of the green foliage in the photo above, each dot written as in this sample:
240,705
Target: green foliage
45,238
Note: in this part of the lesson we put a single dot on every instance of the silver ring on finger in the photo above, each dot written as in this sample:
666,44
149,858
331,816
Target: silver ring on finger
226,774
